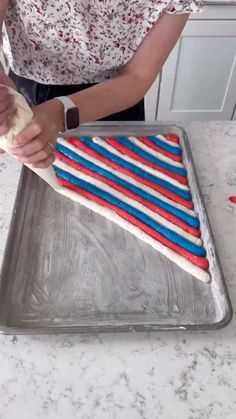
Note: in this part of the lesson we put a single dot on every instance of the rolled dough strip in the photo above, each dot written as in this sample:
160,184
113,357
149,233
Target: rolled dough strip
166,143
150,144
158,155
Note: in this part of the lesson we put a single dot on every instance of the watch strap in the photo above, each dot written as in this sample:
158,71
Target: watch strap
68,104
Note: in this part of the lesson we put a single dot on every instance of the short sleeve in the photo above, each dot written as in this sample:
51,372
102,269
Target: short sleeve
184,6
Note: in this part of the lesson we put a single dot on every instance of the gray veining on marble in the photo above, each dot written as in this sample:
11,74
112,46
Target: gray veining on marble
135,376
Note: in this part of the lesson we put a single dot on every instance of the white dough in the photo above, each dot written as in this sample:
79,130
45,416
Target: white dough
164,139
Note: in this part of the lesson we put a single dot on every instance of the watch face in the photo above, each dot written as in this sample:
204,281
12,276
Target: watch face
72,118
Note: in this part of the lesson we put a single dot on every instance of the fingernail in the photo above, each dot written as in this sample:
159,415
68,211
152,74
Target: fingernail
15,153
15,149
16,141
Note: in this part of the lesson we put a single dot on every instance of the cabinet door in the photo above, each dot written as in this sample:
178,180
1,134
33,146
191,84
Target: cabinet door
199,78
151,100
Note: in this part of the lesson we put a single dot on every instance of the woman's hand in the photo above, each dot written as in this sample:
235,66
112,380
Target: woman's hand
35,144
7,106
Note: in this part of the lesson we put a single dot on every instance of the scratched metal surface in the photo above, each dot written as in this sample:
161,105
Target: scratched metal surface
67,269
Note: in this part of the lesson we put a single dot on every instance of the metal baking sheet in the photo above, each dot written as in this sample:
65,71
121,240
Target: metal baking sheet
67,269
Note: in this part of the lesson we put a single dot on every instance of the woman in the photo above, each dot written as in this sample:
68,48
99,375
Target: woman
102,55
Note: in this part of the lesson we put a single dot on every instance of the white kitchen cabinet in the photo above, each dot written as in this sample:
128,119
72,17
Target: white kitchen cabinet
199,78
198,81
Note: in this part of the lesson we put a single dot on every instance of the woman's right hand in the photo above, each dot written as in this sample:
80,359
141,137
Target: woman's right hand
7,106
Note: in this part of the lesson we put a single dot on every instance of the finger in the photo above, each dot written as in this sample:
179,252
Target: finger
7,103
7,123
3,118
34,158
28,134
37,157
45,163
2,151
9,112
31,148
3,94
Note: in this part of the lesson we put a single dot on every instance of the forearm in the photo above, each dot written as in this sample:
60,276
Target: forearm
108,97
136,77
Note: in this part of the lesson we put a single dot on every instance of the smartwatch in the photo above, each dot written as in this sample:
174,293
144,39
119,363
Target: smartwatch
71,112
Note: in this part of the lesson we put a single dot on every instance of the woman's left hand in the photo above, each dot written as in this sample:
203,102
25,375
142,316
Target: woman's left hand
36,143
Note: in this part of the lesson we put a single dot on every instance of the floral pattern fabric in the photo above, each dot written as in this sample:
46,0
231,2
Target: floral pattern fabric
80,41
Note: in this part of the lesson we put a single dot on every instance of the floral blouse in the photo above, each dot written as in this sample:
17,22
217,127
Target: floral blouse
80,41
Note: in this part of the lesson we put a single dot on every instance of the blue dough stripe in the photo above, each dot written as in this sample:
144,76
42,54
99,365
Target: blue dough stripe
149,157
137,170
167,233
158,141
190,220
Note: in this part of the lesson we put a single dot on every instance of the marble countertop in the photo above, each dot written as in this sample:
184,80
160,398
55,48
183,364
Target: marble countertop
137,376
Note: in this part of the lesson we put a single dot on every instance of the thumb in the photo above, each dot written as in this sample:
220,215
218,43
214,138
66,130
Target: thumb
6,80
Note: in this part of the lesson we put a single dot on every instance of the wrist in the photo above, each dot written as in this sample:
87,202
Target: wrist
71,114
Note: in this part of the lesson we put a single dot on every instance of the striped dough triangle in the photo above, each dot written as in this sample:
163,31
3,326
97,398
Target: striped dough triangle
141,184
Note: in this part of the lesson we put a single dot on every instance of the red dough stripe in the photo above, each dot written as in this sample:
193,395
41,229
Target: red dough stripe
126,151
196,260
155,147
172,137
169,194
162,212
